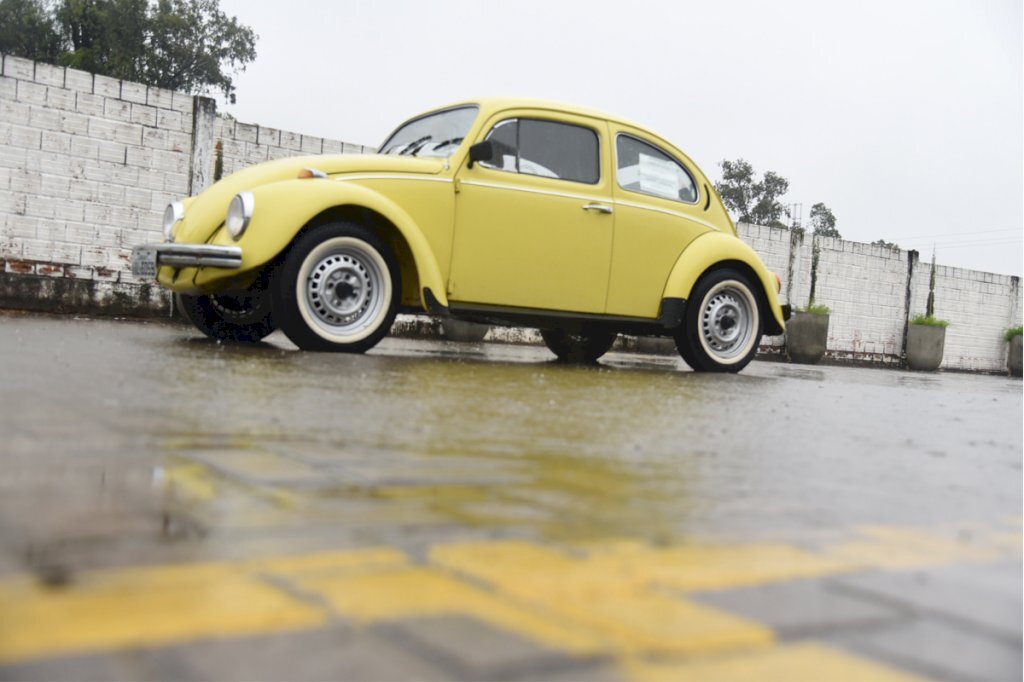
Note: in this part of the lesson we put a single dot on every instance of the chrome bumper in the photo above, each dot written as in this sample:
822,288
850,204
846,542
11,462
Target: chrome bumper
146,258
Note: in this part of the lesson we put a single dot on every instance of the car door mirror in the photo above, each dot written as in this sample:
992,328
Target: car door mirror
481,151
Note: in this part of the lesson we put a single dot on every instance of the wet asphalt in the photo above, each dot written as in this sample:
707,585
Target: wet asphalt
111,429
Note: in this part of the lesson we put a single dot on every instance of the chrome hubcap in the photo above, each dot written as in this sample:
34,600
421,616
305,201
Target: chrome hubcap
343,289
726,322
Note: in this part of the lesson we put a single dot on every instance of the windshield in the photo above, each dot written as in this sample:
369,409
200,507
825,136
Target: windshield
432,135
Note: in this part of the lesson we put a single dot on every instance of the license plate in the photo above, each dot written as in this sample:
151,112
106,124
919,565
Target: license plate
144,262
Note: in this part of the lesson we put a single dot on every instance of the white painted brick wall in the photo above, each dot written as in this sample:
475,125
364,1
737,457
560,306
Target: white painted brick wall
978,309
773,245
88,163
83,161
244,144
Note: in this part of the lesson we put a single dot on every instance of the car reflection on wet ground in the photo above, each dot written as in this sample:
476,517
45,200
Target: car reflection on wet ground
173,507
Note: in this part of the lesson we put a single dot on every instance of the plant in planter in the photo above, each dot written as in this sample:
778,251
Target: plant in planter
926,342
1013,354
926,334
807,334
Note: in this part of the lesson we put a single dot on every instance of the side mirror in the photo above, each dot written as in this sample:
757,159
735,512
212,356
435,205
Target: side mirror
481,151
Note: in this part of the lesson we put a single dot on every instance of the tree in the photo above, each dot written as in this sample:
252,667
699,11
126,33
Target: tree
195,47
888,245
105,36
752,201
824,221
27,30
188,45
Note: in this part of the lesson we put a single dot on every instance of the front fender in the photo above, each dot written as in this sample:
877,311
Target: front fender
710,249
282,209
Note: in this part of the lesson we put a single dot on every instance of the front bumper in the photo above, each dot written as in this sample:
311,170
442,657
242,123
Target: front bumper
148,257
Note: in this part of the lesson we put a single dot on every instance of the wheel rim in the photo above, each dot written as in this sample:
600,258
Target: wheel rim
727,321
343,289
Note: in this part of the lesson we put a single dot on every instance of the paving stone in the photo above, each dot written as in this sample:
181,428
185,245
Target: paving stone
480,652
937,649
333,654
116,666
801,608
981,596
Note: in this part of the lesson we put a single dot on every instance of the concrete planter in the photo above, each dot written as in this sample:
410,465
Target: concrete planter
925,345
1013,361
806,338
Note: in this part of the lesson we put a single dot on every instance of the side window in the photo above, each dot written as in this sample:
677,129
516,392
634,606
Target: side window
644,168
547,149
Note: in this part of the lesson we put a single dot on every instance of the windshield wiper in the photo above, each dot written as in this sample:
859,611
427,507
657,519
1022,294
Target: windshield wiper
445,143
414,147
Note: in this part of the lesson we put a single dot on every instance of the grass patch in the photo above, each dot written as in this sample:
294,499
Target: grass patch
1012,332
929,321
815,309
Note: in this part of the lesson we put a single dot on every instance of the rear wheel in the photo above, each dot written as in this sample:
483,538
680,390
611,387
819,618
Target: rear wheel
337,289
722,326
244,317
586,346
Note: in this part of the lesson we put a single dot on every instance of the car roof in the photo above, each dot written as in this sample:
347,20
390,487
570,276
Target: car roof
492,105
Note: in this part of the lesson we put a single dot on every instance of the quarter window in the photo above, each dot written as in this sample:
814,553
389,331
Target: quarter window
645,168
547,149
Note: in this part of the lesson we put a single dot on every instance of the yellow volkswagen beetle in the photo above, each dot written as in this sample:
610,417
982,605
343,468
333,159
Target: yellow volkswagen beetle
509,212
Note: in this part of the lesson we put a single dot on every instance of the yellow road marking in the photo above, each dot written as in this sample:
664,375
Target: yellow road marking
416,592
189,480
260,466
619,597
805,662
331,563
712,567
142,606
630,617
886,547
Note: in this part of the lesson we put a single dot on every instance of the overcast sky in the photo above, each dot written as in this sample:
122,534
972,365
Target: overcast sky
906,118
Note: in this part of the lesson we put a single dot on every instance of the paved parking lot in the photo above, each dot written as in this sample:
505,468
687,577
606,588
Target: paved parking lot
174,508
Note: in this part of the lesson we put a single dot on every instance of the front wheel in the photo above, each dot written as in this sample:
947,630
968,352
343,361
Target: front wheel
586,346
244,317
722,325
337,289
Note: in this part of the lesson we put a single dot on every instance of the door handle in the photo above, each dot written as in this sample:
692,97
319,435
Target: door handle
600,208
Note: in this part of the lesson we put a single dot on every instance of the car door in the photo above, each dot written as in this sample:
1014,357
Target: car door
659,210
533,229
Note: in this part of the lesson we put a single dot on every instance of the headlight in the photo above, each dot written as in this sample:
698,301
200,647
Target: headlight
172,215
239,214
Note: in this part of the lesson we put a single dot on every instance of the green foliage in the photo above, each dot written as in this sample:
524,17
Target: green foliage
815,309
27,29
888,245
1012,332
928,321
188,45
824,221
105,36
753,201
194,46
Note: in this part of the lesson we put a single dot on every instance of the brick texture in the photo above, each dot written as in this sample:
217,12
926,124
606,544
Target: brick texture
88,163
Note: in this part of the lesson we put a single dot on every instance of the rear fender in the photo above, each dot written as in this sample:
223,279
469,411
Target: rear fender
712,249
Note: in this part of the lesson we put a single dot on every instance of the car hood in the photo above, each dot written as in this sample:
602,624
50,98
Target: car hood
205,212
